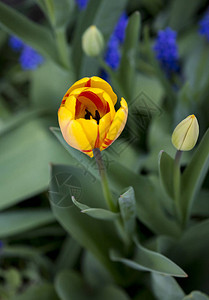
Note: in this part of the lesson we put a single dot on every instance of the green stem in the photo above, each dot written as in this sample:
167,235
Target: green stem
177,184
105,186
62,47
109,200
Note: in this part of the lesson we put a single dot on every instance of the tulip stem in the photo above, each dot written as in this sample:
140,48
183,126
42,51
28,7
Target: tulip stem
177,184
104,180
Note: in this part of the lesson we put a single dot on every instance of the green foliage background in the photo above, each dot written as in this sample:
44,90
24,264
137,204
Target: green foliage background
52,250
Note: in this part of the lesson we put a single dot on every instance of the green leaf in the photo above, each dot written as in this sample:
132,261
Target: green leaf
182,14
166,287
42,291
196,296
147,260
70,285
128,60
127,206
97,213
25,154
94,272
15,222
149,196
194,175
31,33
166,170
95,236
48,85
98,13
68,255
58,12
194,243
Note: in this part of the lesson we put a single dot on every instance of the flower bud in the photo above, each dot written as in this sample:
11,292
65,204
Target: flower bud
186,133
92,41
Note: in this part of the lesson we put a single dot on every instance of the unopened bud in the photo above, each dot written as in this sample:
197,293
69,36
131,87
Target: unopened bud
186,133
92,41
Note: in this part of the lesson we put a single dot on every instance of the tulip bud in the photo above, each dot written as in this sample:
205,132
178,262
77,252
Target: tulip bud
186,133
92,41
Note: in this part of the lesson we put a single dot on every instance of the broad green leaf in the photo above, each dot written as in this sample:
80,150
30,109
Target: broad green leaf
201,204
68,255
96,236
25,154
58,12
149,196
194,175
43,291
127,206
196,295
182,13
70,285
94,272
97,213
15,222
128,60
98,13
31,33
147,260
166,287
49,83
166,169
194,243
30,254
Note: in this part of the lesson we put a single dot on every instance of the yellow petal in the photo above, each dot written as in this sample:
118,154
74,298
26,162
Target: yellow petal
78,84
76,137
104,126
70,104
98,82
186,133
117,125
90,129
64,117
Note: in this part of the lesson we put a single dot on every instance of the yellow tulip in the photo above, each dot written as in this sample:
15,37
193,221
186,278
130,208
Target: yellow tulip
186,133
87,116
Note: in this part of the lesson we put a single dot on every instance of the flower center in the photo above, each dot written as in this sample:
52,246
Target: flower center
88,115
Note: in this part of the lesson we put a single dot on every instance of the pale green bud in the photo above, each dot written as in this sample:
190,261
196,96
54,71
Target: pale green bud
186,133
92,41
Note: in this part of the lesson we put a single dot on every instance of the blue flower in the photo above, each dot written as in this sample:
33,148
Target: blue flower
120,28
1,245
112,56
15,43
82,4
166,50
204,26
30,58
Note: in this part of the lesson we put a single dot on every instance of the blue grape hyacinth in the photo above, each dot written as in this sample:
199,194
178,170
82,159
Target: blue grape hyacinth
29,58
15,43
166,50
120,28
113,55
204,26
82,4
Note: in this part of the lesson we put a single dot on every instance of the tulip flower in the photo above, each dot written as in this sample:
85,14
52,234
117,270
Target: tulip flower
185,134
87,116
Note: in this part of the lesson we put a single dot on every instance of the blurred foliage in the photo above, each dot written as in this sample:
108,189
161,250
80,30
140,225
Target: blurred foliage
52,250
